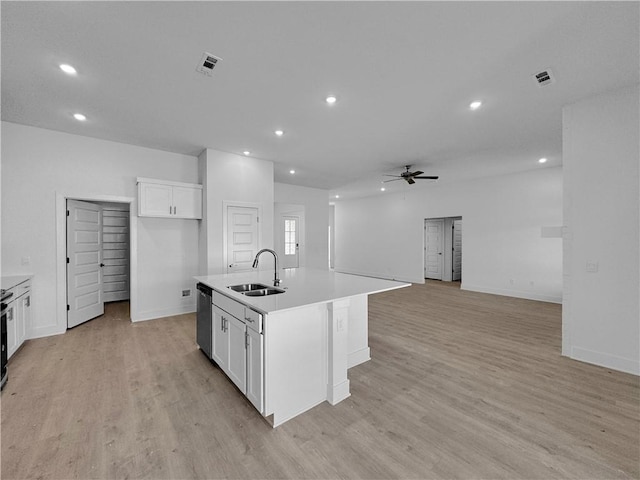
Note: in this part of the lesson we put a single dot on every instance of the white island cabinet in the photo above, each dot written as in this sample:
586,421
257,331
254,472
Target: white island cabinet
290,351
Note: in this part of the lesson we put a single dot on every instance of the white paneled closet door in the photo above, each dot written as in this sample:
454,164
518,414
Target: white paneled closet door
115,244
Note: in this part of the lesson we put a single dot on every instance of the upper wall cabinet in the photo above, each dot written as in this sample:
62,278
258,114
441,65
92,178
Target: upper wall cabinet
161,198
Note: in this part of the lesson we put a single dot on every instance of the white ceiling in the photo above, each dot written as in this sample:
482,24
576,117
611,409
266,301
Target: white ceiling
404,74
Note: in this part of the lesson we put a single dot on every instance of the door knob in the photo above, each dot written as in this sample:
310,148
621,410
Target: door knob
102,264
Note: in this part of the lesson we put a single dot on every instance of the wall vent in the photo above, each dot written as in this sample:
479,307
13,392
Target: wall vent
207,63
544,78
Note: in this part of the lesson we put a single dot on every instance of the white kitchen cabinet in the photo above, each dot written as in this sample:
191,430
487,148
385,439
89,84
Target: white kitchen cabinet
18,312
237,368
238,346
161,198
12,329
24,318
220,343
255,377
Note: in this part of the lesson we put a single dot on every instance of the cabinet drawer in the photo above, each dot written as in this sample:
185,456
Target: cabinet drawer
253,319
19,290
229,305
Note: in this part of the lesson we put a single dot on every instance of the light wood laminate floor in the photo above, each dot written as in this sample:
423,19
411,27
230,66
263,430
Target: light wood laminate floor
460,385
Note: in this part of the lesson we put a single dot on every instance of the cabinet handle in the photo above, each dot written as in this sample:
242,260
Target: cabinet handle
175,209
246,340
222,323
249,319
169,209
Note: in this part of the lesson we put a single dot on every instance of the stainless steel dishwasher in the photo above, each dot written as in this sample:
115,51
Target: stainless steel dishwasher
204,321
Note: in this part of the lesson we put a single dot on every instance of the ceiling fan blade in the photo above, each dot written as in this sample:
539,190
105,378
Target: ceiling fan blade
399,176
415,174
392,180
410,180
428,177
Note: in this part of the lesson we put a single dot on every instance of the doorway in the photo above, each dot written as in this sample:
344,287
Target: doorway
97,258
443,249
289,234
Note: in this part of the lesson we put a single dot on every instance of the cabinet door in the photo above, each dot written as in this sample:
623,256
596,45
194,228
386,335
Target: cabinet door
24,318
155,200
220,343
237,353
12,329
187,202
254,369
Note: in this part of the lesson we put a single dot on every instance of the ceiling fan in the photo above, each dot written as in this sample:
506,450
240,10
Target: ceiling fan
410,176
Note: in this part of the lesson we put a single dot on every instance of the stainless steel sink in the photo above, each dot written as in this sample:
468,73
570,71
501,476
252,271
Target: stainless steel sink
248,287
263,292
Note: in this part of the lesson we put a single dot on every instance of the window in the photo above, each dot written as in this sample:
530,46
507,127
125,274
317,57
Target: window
290,237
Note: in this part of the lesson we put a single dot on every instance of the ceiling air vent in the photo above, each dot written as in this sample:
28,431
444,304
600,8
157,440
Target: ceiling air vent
207,63
544,78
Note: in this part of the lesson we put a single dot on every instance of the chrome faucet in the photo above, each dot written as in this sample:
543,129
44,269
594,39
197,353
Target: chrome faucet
276,280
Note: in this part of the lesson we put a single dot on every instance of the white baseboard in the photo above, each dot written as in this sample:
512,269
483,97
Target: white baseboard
540,297
606,360
337,393
358,357
165,312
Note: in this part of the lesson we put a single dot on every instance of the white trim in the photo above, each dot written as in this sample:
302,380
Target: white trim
225,206
60,325
165,312
605,360
358,357
167,182
512,293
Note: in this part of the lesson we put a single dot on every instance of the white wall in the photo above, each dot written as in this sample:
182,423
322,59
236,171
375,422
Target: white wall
601,309
316,211
228,177
503,249
40,167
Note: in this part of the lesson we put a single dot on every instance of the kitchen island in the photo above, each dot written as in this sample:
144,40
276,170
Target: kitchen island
288,352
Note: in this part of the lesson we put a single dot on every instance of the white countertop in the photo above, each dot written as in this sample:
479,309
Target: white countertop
11,281
303,286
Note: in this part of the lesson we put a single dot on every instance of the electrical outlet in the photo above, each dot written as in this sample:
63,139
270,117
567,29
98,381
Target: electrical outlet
186,293
592,267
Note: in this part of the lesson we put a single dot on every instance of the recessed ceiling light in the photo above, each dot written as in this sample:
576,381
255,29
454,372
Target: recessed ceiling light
292,172
475,105
246,153
80,117
542,160
382,189
279,132
68,69
337,196
331,99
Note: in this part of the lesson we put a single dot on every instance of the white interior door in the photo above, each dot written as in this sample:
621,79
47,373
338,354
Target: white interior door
433,248
291,230
242,238
457,251
84,262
